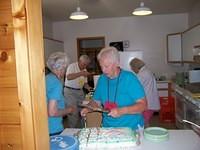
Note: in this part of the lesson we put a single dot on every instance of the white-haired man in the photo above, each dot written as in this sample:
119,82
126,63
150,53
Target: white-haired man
119,92
75,80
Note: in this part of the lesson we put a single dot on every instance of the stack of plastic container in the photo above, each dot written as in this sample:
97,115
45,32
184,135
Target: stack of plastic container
167,109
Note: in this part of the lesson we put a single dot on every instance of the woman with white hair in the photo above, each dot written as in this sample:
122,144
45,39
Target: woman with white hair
57,64
119,92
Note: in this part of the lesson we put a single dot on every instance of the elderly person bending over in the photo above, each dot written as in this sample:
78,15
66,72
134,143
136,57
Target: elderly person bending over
57,64
149,83
118,91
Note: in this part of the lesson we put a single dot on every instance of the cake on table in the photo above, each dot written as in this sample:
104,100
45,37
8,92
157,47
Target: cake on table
107,139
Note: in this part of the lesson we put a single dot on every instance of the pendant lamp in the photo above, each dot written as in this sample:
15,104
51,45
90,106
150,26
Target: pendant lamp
78,14
142,10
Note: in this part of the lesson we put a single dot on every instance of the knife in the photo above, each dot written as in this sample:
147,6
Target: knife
94,108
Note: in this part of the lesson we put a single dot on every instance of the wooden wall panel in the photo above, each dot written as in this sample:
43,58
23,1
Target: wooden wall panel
6,26
8,69
9,117
10,137
5,9
9,99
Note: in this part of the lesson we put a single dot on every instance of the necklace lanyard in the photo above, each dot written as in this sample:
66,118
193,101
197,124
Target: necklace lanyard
115,89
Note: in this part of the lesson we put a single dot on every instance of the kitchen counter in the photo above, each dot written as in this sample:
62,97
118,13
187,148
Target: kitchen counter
188,95
187,107
178,140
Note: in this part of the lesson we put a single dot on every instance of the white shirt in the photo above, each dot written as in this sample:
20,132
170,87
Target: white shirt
77,83
148,81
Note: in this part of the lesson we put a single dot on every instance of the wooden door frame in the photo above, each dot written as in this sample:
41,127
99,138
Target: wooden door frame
87,38
28,35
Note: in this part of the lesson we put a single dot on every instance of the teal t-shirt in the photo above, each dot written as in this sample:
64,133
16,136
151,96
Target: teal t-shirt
54,90
124,90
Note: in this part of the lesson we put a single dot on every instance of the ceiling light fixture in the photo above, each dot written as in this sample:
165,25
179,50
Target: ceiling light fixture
142,10
78,14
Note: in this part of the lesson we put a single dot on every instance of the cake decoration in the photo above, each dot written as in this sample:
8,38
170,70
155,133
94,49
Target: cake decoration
107,139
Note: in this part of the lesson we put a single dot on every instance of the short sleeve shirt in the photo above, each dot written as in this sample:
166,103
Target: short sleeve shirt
54,91
128,91
77,83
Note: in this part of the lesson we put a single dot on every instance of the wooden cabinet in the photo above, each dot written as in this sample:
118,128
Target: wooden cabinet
174,48
183,47
190,40
22,97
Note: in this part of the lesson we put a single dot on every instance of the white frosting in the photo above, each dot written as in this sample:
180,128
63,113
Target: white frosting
107,138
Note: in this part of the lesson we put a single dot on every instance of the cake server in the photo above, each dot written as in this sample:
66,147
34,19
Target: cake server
94,108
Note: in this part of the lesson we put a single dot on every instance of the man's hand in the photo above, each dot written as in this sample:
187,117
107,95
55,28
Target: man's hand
115,112
70,109
84,112
85,73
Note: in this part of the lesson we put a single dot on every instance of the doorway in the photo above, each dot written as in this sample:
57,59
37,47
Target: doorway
91,46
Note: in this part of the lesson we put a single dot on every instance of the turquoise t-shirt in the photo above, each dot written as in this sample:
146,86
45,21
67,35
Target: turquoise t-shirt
54,90
125,90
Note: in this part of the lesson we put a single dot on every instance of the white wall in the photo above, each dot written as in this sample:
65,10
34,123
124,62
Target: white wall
47,27
51,46
194,15
144,33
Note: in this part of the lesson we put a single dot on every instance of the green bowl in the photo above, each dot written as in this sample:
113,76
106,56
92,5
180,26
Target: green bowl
156,134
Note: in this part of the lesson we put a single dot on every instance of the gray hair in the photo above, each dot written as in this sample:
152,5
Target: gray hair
85,58
57,61
136,63
111,53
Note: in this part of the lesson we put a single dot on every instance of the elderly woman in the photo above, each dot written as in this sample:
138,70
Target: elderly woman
149,83
119,91
57,64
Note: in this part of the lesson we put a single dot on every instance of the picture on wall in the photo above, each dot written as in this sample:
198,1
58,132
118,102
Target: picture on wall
118,45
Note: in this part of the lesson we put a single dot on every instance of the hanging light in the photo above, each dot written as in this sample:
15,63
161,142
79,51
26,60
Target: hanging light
142,10
78,14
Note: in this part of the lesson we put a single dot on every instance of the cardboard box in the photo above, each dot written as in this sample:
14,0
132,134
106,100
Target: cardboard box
94,119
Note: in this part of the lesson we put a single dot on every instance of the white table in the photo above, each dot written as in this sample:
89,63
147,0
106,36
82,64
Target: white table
178,140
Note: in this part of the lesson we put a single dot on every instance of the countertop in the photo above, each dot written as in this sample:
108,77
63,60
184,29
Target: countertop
163,81
188,95
178,140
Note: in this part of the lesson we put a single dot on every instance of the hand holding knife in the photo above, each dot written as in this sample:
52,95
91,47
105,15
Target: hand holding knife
94,108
